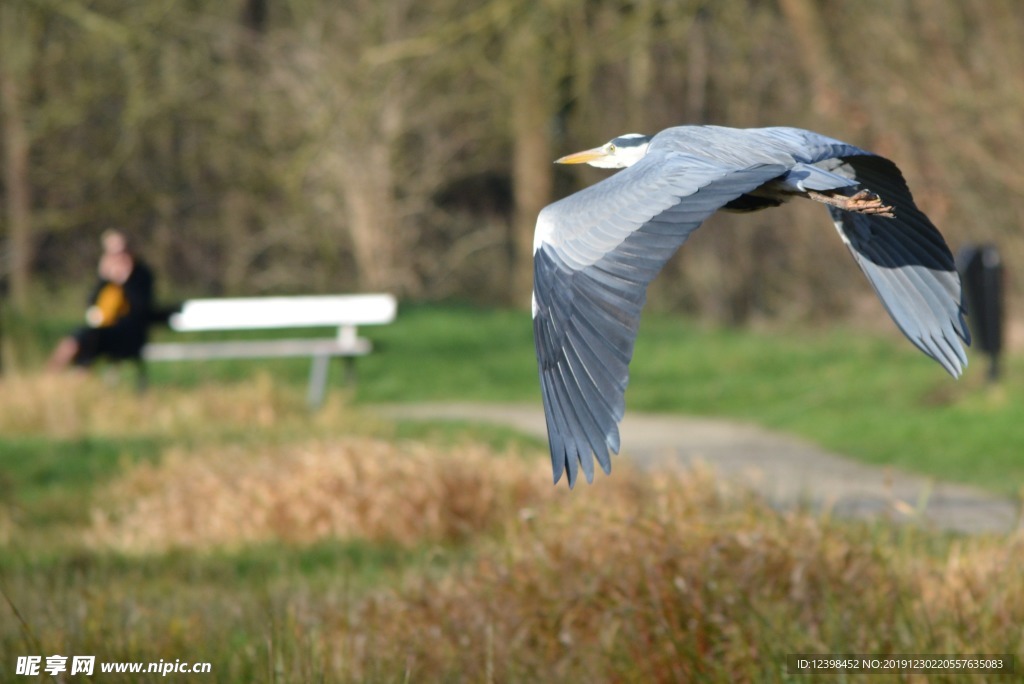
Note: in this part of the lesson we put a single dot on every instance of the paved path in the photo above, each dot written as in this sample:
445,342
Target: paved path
782,468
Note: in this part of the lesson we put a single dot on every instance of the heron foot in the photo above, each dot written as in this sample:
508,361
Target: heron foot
864,202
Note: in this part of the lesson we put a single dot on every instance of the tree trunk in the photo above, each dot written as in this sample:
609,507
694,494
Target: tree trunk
808,31
16,181
532,171
237,240
372,223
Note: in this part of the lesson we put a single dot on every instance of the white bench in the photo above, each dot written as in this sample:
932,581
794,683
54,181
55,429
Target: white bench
344,312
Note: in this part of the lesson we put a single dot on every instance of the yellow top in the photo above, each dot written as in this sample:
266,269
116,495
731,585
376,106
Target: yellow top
111,305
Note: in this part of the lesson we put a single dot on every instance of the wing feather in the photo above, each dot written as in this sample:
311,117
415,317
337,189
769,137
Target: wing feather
908,264
588,305
610,387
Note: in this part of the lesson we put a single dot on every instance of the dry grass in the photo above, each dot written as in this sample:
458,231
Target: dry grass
352,488
667,576
666,579
73,405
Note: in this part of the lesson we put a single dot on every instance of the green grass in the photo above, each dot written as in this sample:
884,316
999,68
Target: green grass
449,432
876,399
236,610
47,479
871,397
635,578
362,563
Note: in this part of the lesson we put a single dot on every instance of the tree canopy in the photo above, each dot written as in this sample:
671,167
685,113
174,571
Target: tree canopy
311,146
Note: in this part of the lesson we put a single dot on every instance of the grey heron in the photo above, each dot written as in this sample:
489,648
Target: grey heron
596,251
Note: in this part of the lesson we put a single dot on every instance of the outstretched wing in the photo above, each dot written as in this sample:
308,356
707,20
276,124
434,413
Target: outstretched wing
907,262
595,252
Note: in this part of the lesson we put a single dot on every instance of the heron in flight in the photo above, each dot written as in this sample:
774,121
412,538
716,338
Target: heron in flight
596,251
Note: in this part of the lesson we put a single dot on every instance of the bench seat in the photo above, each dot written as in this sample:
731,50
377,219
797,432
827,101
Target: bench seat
343,312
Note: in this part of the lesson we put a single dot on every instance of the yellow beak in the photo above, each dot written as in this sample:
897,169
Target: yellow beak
582,157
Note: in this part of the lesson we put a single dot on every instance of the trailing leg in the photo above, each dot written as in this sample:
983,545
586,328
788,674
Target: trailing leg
864,202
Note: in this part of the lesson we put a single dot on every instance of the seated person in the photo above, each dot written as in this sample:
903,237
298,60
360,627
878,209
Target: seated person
119,310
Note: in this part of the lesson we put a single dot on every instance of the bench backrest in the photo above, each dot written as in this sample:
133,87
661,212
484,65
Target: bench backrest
250,313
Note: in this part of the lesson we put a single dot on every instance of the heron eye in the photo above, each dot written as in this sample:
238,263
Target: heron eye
611,148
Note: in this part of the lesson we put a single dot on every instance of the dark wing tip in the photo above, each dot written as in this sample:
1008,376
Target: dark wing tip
909,265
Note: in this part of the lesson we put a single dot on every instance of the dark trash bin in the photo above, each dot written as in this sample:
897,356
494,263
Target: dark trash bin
981,270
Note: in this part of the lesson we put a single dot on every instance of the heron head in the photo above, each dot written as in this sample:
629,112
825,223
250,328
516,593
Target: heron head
617,153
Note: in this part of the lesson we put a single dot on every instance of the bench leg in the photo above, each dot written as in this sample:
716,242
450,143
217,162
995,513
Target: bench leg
318,381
